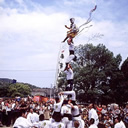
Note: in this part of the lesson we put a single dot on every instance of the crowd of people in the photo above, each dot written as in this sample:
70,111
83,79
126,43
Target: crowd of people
26,114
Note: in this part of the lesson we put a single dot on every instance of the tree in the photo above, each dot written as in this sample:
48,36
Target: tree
124,82
18,89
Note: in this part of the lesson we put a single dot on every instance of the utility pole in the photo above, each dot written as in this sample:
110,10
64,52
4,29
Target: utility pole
50,91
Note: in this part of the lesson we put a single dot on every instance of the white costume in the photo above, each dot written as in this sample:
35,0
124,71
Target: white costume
93,126
22,122
72,93
69,74
67,117
57,109
44,124
33,117
122,124
93,114
71,54
76,116
57,125
57,106
117,125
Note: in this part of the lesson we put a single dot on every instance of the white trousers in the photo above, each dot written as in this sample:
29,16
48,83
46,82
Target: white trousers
67,122
70,58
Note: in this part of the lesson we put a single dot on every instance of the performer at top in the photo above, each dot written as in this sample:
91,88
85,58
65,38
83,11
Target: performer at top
72,30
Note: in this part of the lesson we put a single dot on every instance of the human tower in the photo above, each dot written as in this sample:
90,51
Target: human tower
66,112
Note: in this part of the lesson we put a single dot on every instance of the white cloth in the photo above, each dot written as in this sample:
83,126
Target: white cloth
33,117
69,74
117,125
67,123
57,125
57,106
93,126
44,124
75,112
71,47
93,114
66,109
70,58
22,122
13,105
72,93
74,28
122,124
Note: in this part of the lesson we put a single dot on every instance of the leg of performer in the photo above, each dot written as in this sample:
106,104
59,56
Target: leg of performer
70,58
65,39
66,67
69,124
70,82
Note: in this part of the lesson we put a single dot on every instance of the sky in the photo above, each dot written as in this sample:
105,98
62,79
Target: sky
31,32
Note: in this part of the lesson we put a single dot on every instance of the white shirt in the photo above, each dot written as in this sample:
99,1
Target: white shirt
93,114
69,74
72,93
93,126
22,122
73,27
66,109
122,124
71,47
58,125
33,117
13,105
44,124
57,106
75,110
117,125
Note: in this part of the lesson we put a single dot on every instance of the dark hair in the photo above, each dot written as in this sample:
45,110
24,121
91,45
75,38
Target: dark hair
68,89
92,121
73,102
41,117
118,118
65,102
57,99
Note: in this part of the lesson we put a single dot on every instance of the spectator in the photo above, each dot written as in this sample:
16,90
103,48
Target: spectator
22,122
126,120
93,114
92,123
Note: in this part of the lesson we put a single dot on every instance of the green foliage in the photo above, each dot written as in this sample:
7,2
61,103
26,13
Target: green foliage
17,89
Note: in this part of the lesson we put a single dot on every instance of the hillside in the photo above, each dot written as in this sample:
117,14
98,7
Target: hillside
7,82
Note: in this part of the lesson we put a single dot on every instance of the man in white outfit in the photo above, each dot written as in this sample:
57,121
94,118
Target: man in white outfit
92,123
66,115
72,30
57,124
32,116
43,123
93,114
119,123
69,76
69,93
71,53
22,122
57,108
76,114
